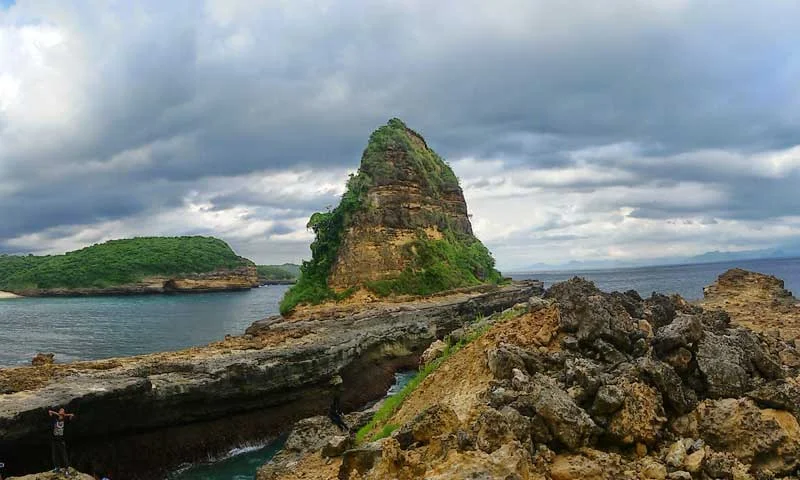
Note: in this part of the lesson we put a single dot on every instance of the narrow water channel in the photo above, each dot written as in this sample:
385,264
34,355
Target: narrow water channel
242,463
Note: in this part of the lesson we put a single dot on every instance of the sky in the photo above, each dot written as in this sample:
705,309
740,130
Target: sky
582,130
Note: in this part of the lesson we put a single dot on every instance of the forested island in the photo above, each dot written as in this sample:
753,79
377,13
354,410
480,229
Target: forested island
136,265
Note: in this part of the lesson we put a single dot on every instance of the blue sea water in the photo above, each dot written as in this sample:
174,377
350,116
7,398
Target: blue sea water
85,328
686,280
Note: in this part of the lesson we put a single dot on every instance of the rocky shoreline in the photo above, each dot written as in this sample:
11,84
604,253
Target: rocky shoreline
242,278
582,384
8,295
146,415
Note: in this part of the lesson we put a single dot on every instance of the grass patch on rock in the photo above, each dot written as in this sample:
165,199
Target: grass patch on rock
377,427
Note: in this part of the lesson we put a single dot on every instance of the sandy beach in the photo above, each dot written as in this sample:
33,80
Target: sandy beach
5,295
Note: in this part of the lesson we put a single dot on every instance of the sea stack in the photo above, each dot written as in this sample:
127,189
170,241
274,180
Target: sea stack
401,228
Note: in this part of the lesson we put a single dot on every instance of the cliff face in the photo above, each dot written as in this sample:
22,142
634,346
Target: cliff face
402,227
241,278
407,200
148,414
131,266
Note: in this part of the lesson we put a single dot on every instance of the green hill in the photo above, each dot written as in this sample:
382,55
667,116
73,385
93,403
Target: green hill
118,262
287,271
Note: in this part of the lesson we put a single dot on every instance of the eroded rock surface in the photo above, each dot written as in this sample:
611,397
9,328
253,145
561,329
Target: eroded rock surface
144,415
588,385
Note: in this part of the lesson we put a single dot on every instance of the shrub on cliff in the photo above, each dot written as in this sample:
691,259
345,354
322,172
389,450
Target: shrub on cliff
118,262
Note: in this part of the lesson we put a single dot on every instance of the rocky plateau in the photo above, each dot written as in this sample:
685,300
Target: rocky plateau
148,414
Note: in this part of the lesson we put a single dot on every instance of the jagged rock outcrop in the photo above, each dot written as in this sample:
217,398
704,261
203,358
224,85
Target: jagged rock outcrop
402,227
757,301
73,475
581,385
144,415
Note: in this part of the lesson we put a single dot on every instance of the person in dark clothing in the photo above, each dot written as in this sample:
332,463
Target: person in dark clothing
58,447
335,411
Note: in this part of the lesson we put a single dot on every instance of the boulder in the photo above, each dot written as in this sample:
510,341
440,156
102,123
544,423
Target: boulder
434,351
361,460
588,465
766,438
336,446
591,314
567,422
779,394
492,429
683,331
677,396
431,422
676,454
41,359
640,418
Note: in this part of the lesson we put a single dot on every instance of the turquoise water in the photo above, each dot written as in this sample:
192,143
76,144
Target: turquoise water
85,328
687,280
243,463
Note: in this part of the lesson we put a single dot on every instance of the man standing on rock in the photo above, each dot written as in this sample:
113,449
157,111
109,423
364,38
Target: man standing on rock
58,445
335,411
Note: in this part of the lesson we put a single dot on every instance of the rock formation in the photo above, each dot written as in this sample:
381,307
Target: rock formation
402,227
143,265
73,475
757,301
587,385
147,414
241,278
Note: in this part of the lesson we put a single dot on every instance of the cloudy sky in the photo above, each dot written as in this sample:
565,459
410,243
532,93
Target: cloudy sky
580,130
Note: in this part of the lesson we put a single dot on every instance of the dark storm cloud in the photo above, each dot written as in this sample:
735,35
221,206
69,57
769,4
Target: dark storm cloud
173,94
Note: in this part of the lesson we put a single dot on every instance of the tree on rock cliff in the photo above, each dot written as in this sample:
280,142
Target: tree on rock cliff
401,228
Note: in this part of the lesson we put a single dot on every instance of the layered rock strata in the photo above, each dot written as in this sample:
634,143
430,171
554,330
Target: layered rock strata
590,385
401,228
757,301
241,278
145,415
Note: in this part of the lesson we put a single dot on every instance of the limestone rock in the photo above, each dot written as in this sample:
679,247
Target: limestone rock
336,446
431,422
361,460
73,475
433,352
591,316
683,331
41,359
588,465
676,454
382,236
568,422
641,417
650,469
768,439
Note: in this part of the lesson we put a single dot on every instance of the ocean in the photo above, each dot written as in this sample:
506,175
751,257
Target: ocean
89,328
686,280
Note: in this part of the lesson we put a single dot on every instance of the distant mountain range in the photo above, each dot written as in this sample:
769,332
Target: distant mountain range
785,251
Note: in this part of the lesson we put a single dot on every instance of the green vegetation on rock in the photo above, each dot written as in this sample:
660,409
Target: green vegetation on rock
378,427
118,262
454,261
277,272
457,260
